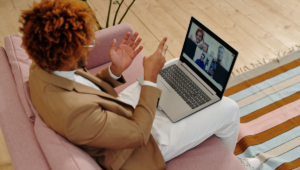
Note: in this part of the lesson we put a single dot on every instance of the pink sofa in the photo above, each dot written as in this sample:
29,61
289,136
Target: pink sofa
33,146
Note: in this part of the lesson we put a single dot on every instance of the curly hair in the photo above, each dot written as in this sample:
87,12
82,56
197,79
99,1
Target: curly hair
200,30
54,32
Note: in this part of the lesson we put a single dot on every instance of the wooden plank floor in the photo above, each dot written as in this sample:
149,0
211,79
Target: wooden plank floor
258,29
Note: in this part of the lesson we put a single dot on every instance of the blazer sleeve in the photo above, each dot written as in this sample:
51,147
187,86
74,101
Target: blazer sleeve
105,76
91,125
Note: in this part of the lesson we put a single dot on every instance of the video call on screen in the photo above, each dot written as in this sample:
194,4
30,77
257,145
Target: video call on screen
208,55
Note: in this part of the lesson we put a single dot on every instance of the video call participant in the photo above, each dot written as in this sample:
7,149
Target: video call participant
212,68
220,55
200,39
206,62
200,62
220,73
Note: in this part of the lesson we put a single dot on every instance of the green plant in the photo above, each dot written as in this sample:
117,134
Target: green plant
116,14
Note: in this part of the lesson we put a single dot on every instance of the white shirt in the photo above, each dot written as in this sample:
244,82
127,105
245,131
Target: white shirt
71,75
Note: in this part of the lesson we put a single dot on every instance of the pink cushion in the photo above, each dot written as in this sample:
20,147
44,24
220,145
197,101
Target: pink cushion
52,144
20,64
211,154
24,149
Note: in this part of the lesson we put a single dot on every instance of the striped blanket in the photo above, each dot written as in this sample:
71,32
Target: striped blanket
269,100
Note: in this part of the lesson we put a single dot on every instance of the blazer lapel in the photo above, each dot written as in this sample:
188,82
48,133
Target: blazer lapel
103,85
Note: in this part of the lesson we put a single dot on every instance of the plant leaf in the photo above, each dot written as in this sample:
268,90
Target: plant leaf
116,2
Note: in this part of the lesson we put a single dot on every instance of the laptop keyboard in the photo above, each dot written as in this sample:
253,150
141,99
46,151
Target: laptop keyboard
184,86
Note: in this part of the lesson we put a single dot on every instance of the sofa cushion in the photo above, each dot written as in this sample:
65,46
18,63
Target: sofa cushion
20,64
52,144
18,132
211,154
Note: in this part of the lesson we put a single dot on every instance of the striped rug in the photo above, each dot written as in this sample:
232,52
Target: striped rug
269,100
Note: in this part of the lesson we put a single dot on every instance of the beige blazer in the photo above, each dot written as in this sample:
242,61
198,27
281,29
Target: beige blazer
115,134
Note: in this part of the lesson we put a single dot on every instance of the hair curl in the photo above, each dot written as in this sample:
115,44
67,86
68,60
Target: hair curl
200,30
54,32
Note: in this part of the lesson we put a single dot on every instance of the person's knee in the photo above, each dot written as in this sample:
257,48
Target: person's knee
232,106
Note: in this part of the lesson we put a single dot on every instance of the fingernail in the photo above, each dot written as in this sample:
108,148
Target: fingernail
166,37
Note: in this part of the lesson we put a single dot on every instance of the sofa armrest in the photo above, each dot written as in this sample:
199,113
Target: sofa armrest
22,144
100,54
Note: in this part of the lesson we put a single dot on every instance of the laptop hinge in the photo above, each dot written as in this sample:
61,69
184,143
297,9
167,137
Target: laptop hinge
199,79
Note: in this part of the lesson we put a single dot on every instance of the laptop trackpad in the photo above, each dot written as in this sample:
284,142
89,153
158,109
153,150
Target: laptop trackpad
163,86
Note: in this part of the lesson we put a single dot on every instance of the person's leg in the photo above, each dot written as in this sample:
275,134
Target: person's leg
221,119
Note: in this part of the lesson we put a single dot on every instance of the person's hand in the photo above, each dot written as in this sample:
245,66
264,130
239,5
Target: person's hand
155,62
123,56
201,46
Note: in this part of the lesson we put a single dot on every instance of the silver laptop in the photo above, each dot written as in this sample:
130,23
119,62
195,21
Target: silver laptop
199,78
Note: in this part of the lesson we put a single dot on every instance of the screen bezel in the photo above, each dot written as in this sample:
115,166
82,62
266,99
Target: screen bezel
223,43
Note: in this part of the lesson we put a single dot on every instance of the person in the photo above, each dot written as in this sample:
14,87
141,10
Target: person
200,39
124,131
220,56
200,62
212,68
206,62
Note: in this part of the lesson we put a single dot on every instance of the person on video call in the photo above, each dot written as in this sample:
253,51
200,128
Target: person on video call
199,39
220,57
212,68
206,62
200,62
122,131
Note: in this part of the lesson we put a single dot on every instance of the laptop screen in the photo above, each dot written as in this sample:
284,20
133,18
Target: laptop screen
209,55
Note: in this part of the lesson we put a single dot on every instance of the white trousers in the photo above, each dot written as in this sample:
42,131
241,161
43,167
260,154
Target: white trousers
173,139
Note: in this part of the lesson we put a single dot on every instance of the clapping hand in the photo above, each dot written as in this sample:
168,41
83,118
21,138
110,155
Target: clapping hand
123,56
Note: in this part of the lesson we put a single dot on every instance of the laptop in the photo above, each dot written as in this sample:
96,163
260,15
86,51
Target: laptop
199,78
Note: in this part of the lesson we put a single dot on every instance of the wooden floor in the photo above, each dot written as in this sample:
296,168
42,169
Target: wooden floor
258,29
